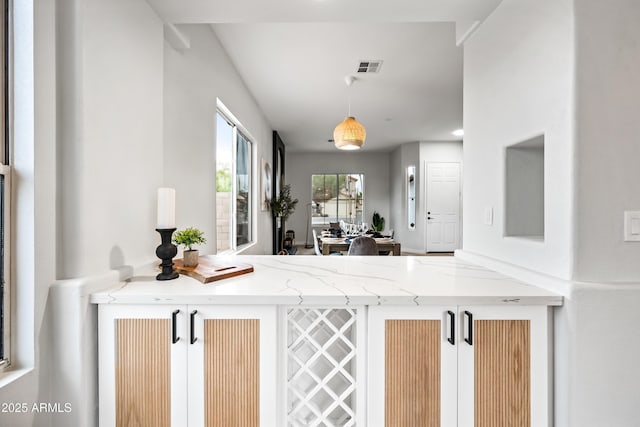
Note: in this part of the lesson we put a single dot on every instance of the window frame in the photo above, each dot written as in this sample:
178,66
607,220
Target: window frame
237,131
7,190
5,358
326,220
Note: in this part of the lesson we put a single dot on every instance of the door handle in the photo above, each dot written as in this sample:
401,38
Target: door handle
469,338
192,322
452,327
174,327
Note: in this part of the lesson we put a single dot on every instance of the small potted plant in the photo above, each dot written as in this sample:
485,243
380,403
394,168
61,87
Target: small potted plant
377,222
188,237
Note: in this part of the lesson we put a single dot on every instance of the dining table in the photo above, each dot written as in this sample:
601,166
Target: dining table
340,244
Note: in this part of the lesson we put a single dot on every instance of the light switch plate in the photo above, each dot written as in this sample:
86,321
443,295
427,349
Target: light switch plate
632,226
488,216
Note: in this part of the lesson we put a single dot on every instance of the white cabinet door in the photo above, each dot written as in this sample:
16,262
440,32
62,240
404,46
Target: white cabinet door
503,366
143,365
232,365
412,366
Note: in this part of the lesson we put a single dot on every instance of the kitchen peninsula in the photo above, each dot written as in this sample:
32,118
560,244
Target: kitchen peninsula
336,340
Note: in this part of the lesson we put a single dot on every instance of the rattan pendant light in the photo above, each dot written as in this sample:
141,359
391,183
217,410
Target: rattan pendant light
349,135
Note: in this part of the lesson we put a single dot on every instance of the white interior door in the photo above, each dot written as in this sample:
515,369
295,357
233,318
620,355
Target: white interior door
443,207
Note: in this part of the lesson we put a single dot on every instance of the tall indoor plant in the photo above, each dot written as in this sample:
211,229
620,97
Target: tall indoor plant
282,207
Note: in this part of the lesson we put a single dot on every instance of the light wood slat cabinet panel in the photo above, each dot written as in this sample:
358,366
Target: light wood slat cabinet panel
186,366
502,373
412,373
232,372
143,373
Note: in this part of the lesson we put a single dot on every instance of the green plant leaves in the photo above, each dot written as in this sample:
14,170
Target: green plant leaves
188,237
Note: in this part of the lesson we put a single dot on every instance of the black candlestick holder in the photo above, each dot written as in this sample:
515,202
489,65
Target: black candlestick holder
166,251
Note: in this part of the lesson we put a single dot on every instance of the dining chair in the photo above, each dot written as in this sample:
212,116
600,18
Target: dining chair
316,245
363,245
390,235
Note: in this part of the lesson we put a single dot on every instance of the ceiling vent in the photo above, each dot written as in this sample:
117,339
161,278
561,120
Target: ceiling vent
370,66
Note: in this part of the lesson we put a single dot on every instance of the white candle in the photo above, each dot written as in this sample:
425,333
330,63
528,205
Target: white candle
166,208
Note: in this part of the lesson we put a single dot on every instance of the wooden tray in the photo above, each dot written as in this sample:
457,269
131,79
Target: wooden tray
209,270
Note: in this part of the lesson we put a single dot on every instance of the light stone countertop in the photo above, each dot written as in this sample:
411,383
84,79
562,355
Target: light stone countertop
314,280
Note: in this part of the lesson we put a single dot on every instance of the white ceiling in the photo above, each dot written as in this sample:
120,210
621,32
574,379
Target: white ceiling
294,55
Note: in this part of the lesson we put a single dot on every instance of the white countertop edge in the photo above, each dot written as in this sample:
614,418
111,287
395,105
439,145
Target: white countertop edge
323,300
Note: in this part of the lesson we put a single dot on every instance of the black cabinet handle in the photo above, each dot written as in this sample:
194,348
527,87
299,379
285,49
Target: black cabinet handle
452,327
469,339
192,322
174,327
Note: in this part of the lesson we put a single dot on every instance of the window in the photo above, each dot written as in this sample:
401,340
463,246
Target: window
5,197
234,189
336,197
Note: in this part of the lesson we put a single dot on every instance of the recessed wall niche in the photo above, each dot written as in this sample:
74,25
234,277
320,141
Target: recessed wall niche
524,189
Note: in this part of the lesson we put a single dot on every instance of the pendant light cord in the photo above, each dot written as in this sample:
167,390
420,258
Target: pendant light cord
349,81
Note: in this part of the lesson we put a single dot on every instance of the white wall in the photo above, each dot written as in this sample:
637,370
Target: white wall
607,128
603,349
300,167
607,132
194,79
111,134
518,83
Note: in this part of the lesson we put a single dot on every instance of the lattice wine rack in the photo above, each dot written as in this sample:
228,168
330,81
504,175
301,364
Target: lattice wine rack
321,366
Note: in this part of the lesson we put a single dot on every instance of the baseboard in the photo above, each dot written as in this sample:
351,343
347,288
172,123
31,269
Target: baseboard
413,250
